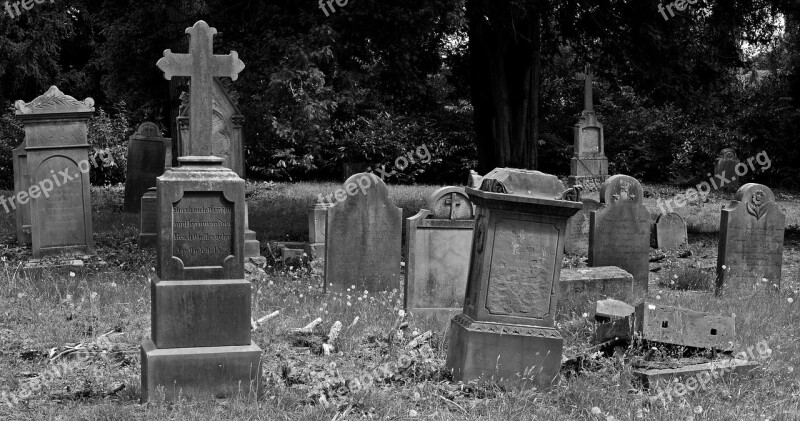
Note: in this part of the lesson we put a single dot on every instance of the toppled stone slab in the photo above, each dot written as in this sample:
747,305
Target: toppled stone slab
609,309
692,377
609,281
677,326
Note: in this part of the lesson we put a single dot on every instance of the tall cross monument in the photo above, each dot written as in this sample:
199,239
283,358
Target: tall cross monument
200,300
589,165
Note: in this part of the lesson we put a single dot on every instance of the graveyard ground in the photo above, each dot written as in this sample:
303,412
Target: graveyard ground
45,313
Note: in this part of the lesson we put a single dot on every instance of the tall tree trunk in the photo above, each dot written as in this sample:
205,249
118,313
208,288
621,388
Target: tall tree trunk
505,53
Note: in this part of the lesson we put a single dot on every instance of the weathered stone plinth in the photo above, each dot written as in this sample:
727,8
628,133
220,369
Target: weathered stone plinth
498,352
506,331
200,300
189,314
202,373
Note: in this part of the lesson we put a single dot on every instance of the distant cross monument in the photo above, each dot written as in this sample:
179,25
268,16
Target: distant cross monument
588,78
201,302
589,165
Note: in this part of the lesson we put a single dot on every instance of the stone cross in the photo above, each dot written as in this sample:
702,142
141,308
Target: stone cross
587,77
201,65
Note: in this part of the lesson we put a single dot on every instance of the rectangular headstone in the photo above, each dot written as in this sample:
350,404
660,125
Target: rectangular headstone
146,157
57,160
362,239
751,237
22,182
620,232
437,255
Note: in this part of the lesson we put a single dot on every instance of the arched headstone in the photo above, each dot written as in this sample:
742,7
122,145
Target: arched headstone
619,234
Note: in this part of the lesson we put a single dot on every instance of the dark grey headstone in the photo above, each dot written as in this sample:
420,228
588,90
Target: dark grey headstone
620,232
146,157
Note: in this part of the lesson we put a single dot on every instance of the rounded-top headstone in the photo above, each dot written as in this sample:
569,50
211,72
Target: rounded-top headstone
728,153
450,203
148,129
522,183
620,189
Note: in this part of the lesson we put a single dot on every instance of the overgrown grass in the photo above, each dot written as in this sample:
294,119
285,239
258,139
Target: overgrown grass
50,309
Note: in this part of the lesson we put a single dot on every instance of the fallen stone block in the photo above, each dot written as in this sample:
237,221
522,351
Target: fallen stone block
677,326
693,377
608,281
609,309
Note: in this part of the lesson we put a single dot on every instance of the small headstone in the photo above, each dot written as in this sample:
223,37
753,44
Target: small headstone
506,332
148,219
589,165
437,255
725,170
362,239
317,221
146,158
578,228
55,181
671,232
227,138
751,239
620,232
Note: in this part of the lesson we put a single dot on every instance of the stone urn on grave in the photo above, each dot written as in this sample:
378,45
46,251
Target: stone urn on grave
506,331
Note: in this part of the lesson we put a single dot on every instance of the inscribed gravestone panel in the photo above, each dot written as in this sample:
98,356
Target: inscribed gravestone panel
61,216
363,238
620,233
523,259
202,229
577,235
751,238
671,231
